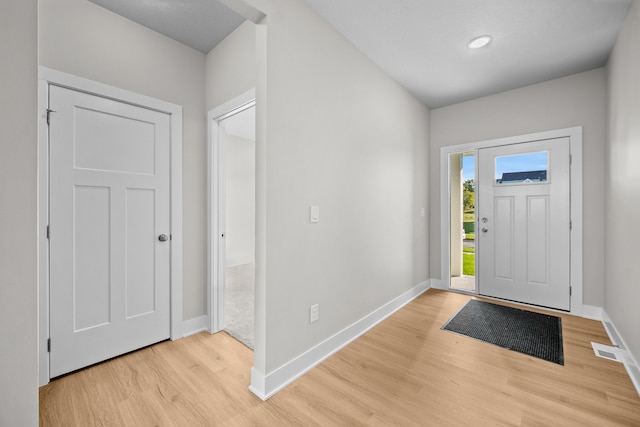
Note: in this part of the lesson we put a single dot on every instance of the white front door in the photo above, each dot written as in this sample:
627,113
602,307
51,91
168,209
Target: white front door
523,223
109,206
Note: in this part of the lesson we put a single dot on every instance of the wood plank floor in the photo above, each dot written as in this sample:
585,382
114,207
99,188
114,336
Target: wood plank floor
404,372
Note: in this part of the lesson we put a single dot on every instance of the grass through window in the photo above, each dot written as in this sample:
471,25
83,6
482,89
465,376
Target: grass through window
468,262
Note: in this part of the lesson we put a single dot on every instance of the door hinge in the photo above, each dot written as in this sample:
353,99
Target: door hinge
48,345
570,290
570,159
49,111
570,225
48,232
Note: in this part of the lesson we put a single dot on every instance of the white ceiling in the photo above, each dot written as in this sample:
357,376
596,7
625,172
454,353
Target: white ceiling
422,43
200,24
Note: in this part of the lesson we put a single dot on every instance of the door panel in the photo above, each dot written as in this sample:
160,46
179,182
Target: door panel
503,248
524,239
109,201
109,142
537,239
91,265
140,250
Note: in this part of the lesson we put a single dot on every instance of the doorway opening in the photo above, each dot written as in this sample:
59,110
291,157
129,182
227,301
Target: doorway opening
232,218
237,134
515,235
462,260
111,185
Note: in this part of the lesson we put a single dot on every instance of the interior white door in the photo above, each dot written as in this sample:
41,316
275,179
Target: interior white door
523,229
109,215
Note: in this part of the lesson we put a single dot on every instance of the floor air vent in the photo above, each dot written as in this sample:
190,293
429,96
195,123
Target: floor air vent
606,352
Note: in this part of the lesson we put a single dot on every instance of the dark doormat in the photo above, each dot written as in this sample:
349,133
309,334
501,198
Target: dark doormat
535,334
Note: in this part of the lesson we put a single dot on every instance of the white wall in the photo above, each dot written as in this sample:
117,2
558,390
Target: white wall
341,135
235,66
81,38
622,291
576,100
231,66
240,237
231,69
18,220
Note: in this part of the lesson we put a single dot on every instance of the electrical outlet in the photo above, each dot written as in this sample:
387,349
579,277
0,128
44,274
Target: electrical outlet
314,313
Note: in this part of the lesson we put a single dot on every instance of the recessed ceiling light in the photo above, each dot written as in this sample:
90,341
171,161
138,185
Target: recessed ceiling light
479,42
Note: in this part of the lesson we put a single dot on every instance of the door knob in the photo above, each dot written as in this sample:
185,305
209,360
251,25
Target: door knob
485,229
163,237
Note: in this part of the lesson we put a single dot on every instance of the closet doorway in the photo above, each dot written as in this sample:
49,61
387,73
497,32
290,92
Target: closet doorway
232,220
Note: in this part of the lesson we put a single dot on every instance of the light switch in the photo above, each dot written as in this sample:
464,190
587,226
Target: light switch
314,313
315,214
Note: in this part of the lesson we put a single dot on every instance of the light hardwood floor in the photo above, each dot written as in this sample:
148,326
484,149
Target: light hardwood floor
404,372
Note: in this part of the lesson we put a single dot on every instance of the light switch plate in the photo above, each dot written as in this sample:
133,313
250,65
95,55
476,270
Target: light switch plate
314,313
314,215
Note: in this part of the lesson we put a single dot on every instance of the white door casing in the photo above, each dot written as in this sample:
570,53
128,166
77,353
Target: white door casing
216,216
523,229
109,202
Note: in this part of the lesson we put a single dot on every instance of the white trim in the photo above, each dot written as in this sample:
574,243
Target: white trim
437,284
575,142
43,244
48,76
176,224
195,325
92,87
265,386
591,312
629,361
216,206
445,215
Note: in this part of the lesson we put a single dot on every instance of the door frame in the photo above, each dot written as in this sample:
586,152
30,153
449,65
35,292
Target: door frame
216,207
475,258
575,146
47,77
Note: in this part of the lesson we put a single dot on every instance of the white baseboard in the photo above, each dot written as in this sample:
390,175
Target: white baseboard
241,260
586,311
592,312
265,386
195,325
630,362
437,284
